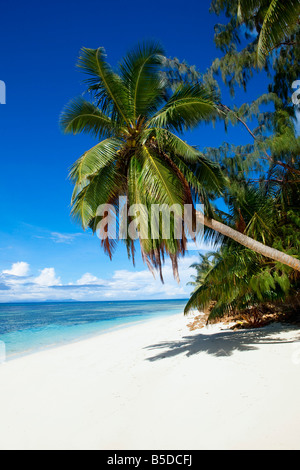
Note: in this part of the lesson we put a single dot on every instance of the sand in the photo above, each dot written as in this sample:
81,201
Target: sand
157,385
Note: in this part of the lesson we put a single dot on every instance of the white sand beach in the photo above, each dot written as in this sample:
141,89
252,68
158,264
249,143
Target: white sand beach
157,385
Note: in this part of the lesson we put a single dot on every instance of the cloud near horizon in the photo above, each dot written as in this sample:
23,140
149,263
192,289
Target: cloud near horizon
17,285
18,269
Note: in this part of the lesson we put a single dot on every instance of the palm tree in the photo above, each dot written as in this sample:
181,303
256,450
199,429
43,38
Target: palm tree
275,21
236,278
141,156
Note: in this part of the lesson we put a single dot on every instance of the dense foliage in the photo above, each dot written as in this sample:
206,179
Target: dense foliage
236,278
263,194
141,108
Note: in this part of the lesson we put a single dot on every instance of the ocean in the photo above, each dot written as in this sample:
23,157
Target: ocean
30,327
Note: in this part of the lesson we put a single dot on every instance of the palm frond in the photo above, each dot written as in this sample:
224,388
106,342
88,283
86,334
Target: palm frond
140,71
162,183
107,86
187,107
279,22
103,188
174,145
82,116
95,159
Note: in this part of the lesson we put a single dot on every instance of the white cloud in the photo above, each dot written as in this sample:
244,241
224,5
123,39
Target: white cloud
47,278
123,284
63,237
142,284
18,269
89,279
56,237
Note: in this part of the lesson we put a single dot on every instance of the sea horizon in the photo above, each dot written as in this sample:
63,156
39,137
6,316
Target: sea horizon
61,301
29,327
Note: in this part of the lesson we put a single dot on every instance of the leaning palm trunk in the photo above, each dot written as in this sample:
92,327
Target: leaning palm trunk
250,243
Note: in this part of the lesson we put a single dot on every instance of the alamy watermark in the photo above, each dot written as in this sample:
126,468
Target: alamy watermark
2,92
155,221
296,94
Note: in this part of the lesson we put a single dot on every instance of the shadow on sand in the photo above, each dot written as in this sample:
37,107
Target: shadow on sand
224,343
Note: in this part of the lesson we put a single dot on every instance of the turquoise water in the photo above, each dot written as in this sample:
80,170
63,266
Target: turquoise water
27,328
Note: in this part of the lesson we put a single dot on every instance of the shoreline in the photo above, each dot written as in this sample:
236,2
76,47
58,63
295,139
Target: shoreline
86,336
89,336
156,385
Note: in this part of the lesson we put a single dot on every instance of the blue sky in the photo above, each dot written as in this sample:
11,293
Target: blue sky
43,253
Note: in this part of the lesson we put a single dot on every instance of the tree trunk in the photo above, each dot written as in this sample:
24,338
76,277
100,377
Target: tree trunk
253,245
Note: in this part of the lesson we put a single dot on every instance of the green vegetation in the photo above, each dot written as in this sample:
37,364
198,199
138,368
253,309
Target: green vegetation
272,22
263,197
138,112
140,156
236,279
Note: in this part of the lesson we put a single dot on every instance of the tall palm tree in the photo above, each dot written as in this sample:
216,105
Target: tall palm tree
141,156
275,21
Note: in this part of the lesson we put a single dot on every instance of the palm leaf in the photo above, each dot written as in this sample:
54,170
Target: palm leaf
107,86
95,159
140,72
187,107
279,22
82,116
103,188
199,299
160,181
172,144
